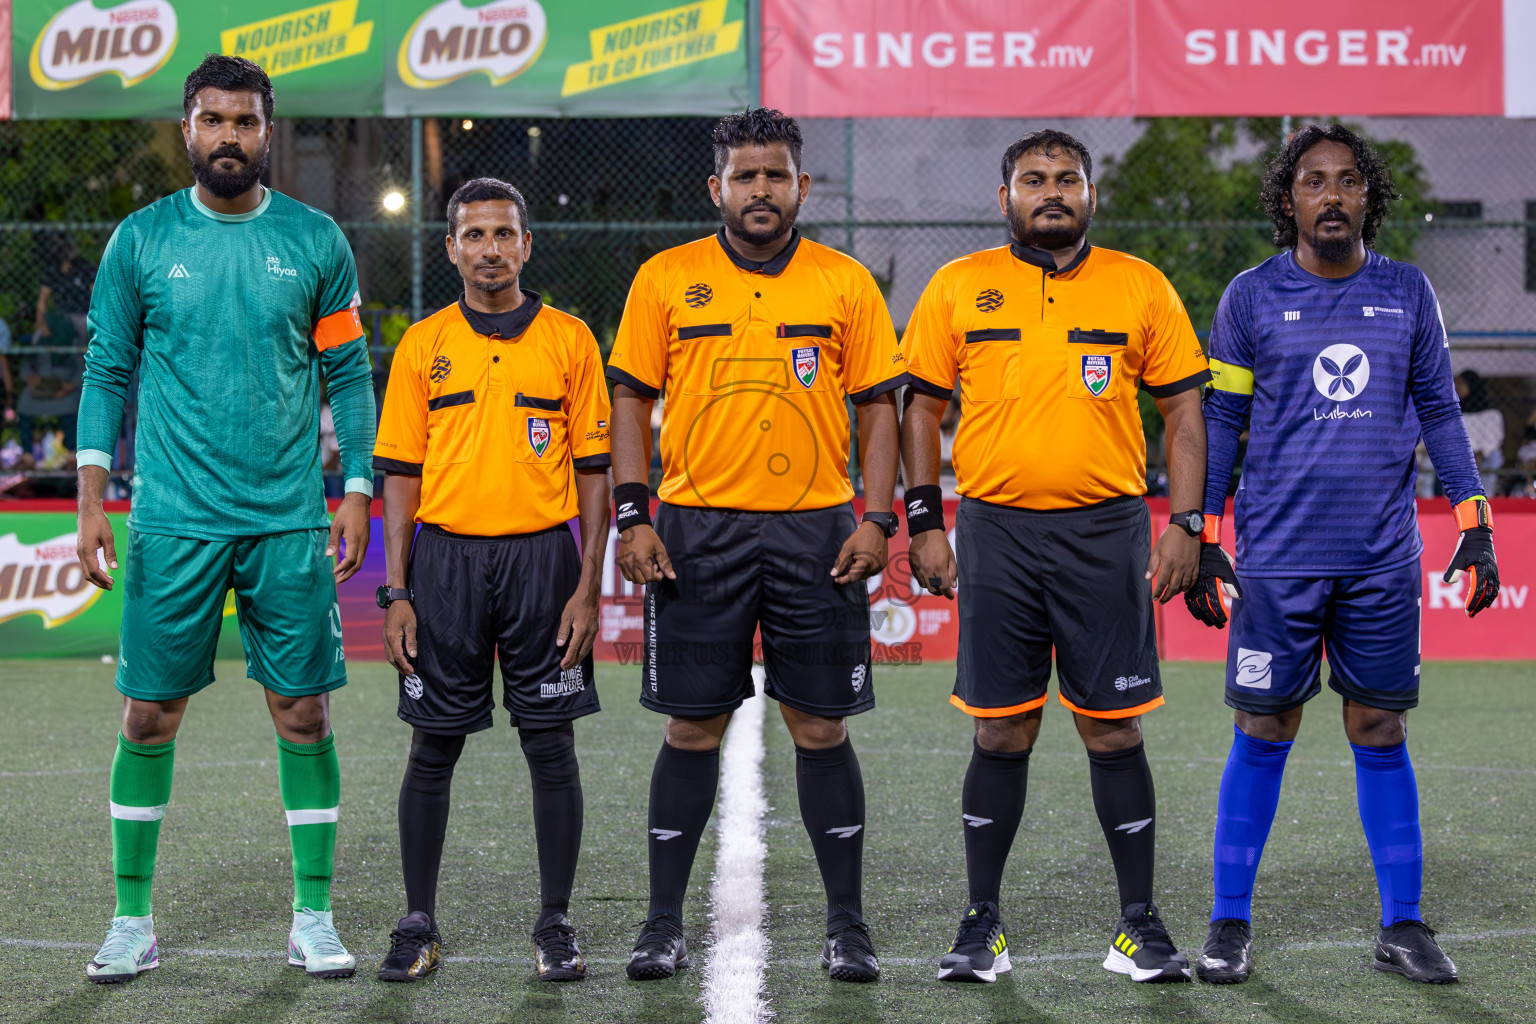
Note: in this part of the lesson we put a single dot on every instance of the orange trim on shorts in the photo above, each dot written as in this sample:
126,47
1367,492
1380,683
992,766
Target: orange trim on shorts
340,327
1017,709
1118,712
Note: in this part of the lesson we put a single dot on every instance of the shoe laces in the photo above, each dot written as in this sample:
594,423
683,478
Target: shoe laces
975,927
557,939
1230,931
1149,925
322,939
120,939
401,941
852,935
659,934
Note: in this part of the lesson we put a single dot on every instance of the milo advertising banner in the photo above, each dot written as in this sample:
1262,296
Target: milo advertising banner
565,57
48,609
351,58
104,60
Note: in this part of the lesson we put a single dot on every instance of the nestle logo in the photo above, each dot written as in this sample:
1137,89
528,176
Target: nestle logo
134,14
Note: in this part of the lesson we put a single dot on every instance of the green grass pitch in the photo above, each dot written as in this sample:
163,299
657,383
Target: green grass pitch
224,885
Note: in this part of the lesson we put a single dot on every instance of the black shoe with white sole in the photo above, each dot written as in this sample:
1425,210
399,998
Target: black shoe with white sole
1227,956
980,950
1142,949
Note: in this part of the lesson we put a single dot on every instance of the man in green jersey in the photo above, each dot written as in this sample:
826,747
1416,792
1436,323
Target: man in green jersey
231,300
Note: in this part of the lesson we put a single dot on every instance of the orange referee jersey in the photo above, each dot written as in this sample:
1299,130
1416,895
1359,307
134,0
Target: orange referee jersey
1049,362
756,359
493,424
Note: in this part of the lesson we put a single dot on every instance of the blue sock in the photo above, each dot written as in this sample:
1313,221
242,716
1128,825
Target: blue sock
1389,810
1250,791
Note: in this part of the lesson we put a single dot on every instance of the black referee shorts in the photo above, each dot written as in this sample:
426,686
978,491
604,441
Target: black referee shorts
1072,580
475,598
738,572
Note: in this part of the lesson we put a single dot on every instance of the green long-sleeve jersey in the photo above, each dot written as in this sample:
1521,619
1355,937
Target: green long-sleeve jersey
230,320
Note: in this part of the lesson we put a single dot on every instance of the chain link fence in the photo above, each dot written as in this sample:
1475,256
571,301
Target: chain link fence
902,196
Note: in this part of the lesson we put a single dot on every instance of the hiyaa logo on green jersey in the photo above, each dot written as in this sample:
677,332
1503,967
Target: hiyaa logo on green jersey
276,269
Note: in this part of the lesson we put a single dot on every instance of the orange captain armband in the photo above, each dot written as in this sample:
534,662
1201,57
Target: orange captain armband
1212,532
340,327
1472,513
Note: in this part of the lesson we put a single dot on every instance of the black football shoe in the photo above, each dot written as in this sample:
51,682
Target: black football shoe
847,954
555,953
1409,948
1142,949
1227,955
980,950
660,951
414,950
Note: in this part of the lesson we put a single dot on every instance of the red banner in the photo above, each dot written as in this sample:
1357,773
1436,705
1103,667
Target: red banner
1114,58
967,58
1507,630
1214,57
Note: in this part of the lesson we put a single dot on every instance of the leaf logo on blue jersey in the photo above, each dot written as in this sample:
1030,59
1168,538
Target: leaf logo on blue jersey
1341,372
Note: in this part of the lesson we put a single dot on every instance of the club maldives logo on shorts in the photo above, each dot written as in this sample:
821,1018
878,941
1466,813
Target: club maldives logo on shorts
1253,669
538,435
1096,370
500,40
82,42
571,681
807,363
43,579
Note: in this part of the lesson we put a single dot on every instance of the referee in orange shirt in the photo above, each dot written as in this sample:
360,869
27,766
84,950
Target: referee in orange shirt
1051,338
758,336
494,435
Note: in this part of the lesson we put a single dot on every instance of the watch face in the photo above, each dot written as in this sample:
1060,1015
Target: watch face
1194,523
381,597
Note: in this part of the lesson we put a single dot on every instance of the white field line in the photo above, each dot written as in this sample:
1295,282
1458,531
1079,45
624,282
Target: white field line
737,960
1037,958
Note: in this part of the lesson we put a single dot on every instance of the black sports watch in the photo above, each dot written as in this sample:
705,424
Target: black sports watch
887,521
1191,522
387,595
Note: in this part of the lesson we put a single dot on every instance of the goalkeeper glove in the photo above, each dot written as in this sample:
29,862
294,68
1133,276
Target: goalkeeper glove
1474,555
1217,573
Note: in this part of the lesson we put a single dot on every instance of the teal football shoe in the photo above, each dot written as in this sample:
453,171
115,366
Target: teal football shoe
314,945
129,950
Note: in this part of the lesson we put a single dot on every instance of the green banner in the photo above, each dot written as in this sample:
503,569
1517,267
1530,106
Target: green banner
565,58
47,607
105,60
360,58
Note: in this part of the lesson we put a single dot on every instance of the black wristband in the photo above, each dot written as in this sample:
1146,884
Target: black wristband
631,505
925,509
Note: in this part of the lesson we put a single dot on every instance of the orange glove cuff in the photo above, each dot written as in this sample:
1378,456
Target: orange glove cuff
1472,513
1212,532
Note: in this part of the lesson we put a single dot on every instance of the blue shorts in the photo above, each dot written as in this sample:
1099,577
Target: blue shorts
1369,626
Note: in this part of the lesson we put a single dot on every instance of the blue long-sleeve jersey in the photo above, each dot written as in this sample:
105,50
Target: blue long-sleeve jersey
1338,378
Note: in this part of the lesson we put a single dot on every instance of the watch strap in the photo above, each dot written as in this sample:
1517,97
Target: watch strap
887,522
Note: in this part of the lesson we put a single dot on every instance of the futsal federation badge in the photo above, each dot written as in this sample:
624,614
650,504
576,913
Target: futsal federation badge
538,435
807,363
1096,370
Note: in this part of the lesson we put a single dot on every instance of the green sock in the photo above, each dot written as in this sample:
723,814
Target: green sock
311,782
140,788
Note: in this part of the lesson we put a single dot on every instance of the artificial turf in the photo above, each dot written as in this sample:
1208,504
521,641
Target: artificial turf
224,883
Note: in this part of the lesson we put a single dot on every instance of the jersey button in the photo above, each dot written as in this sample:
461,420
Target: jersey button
495,359
1050,300
757,295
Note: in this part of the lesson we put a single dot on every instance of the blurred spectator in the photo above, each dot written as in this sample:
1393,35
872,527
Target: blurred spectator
1485,426
52,387
1524,485
66,284
6,383
330,454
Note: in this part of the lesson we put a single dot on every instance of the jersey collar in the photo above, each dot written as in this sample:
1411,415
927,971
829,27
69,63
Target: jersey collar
1044,260
503,325
232,218
772,267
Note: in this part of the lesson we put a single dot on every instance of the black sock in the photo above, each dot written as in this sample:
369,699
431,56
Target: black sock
424,816
832,807
1127,806
557,812
683,787
991,806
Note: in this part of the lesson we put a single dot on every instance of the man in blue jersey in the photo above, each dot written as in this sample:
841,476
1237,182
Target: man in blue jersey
231,301
1339,355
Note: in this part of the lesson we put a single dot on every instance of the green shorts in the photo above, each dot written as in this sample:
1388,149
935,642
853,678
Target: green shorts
173,606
